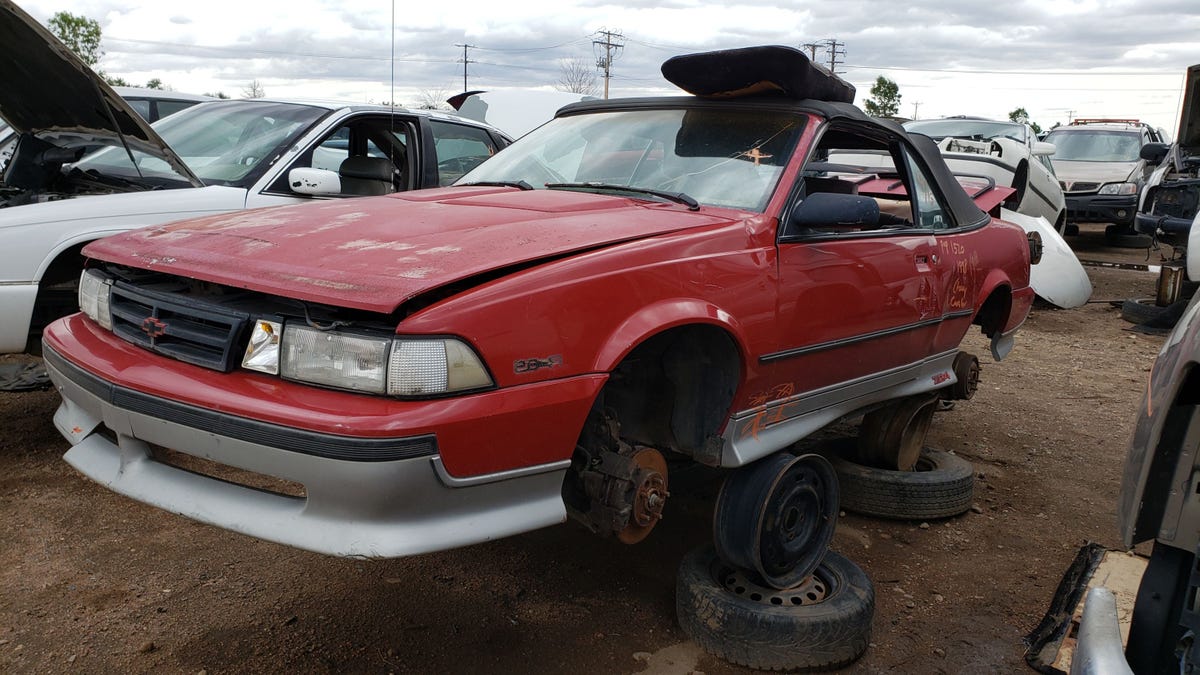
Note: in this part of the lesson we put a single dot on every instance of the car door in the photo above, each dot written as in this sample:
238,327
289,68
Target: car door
855,303
370,135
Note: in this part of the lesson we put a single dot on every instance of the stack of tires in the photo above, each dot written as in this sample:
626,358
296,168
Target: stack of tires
769,594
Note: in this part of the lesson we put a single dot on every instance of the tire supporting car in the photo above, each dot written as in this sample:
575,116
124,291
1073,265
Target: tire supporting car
941,485
776,517
822,623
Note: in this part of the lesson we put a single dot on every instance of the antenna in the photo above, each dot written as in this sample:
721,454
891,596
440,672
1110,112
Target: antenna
392,77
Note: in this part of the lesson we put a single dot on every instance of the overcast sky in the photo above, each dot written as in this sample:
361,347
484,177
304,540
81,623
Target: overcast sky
1056,58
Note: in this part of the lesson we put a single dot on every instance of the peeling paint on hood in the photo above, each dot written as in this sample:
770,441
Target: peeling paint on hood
373,253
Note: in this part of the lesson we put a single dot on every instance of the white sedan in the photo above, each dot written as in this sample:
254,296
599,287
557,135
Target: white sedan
1008,153
211,158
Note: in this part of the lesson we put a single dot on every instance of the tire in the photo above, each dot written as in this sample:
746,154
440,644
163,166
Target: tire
780,630
1143,312
941,486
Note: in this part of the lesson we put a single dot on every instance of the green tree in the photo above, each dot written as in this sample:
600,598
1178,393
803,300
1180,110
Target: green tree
1022,116
885,98
80,34
156,83
219,94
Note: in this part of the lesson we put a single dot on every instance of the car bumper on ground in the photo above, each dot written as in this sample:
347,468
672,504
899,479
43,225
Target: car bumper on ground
1118,210
359,497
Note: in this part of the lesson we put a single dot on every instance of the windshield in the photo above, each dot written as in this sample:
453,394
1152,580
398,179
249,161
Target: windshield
223,143
721,157
960,128
1096,145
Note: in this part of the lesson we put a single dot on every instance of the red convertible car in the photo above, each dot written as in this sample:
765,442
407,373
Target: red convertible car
637,285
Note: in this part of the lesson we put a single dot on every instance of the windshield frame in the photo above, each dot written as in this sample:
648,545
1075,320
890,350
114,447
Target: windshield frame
980,125
113,161
664,147
1063,150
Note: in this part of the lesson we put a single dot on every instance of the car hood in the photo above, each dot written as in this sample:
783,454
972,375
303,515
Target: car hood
375,253
1189,117
1071,171
49,92
126,209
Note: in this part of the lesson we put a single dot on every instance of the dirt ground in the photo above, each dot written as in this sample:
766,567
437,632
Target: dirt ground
94,582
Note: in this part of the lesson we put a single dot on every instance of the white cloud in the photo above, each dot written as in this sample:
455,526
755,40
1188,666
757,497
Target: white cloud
1027,53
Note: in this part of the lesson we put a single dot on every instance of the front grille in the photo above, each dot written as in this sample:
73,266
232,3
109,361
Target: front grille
179,327
1079,187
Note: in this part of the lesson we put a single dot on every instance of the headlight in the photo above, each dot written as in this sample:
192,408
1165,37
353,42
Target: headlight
1119,189
93,297
377,365
334,359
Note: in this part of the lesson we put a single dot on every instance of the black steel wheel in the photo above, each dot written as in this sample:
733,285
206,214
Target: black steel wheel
823,622
776,517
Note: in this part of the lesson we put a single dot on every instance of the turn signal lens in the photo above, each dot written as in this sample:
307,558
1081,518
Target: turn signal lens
262,352
94,297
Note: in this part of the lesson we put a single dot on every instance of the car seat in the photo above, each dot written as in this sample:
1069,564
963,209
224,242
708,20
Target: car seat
365,176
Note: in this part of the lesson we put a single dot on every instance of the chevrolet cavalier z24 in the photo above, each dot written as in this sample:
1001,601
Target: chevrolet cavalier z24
637,285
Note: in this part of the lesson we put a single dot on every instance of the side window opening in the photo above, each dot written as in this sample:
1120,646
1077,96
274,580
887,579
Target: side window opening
373,149
459,148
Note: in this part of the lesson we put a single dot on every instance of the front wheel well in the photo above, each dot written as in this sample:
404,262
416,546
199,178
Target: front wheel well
674,391
57,293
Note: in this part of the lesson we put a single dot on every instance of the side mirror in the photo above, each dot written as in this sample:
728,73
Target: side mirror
1154,152
309,181
828,210
1042,148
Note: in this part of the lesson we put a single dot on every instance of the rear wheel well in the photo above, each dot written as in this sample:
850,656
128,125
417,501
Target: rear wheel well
993,314
57,293
675,389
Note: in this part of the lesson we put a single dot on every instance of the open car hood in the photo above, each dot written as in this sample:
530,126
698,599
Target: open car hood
50,92
1189,117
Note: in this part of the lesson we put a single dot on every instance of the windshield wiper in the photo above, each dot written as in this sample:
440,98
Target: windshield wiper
95,176
502,183
677,197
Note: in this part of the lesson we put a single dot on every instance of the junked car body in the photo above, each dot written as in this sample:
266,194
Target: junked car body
1007,152
213,157
1098,165
636,284
1157,504
1169,206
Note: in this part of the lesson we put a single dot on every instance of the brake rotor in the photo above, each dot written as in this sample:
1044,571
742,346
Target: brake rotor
649,494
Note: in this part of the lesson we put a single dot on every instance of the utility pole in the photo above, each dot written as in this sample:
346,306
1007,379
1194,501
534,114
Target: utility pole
611,47
835,49
812,50
916,107
464,60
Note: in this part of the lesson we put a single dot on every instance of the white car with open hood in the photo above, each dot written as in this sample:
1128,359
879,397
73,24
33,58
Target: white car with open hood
212,158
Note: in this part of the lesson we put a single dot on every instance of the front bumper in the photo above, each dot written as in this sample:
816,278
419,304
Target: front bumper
1116,209
403,504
